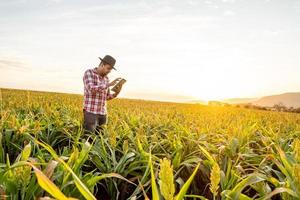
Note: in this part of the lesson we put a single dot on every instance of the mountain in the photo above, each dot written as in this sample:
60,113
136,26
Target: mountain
287,99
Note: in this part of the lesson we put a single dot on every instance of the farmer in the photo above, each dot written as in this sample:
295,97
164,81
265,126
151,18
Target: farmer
97,92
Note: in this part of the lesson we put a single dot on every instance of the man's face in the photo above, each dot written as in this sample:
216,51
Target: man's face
106,68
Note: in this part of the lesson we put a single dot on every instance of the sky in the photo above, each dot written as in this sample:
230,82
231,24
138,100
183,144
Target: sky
169,50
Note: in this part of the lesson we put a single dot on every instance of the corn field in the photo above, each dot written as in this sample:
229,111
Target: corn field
147,150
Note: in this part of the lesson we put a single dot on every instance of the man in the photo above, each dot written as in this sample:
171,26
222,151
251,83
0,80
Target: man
97,92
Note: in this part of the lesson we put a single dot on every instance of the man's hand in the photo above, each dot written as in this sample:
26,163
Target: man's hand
118,90
114,82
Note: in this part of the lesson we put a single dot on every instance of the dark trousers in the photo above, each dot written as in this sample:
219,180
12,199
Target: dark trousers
93,122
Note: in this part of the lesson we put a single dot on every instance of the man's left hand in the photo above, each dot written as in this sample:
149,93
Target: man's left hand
114,82
117,91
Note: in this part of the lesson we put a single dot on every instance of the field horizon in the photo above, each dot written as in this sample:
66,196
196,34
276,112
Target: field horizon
260,101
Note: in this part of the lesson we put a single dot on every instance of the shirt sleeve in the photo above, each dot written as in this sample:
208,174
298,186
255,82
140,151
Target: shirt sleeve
90,85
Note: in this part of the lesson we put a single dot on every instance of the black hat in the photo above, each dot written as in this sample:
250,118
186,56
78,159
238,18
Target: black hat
109,60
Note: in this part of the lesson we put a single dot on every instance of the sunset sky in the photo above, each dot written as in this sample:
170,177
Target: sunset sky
167,50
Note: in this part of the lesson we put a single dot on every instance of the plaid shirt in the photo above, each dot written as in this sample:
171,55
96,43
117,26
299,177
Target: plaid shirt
96,92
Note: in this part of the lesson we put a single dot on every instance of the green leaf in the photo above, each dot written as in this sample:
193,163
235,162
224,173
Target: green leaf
80,186
26,152
187,184
92,182
155,193
47,184
207,155
278,191
235,193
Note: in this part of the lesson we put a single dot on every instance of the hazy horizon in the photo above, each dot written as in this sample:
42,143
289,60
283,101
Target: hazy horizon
169,98
166,50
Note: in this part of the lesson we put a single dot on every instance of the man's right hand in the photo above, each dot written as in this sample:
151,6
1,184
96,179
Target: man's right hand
114,82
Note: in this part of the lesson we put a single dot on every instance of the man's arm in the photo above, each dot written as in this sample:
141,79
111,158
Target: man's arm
89,84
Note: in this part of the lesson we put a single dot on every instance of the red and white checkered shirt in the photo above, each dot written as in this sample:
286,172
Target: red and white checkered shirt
96,92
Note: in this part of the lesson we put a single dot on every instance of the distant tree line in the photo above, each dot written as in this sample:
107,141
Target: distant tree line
279,107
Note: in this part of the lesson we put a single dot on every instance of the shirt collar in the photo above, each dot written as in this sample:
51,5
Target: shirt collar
95,71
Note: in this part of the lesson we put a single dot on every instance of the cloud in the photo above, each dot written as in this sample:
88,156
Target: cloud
229,13
228,1
13,64
12,2
56,1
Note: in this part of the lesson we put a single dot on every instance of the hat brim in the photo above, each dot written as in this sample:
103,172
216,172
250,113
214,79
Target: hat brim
106,63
